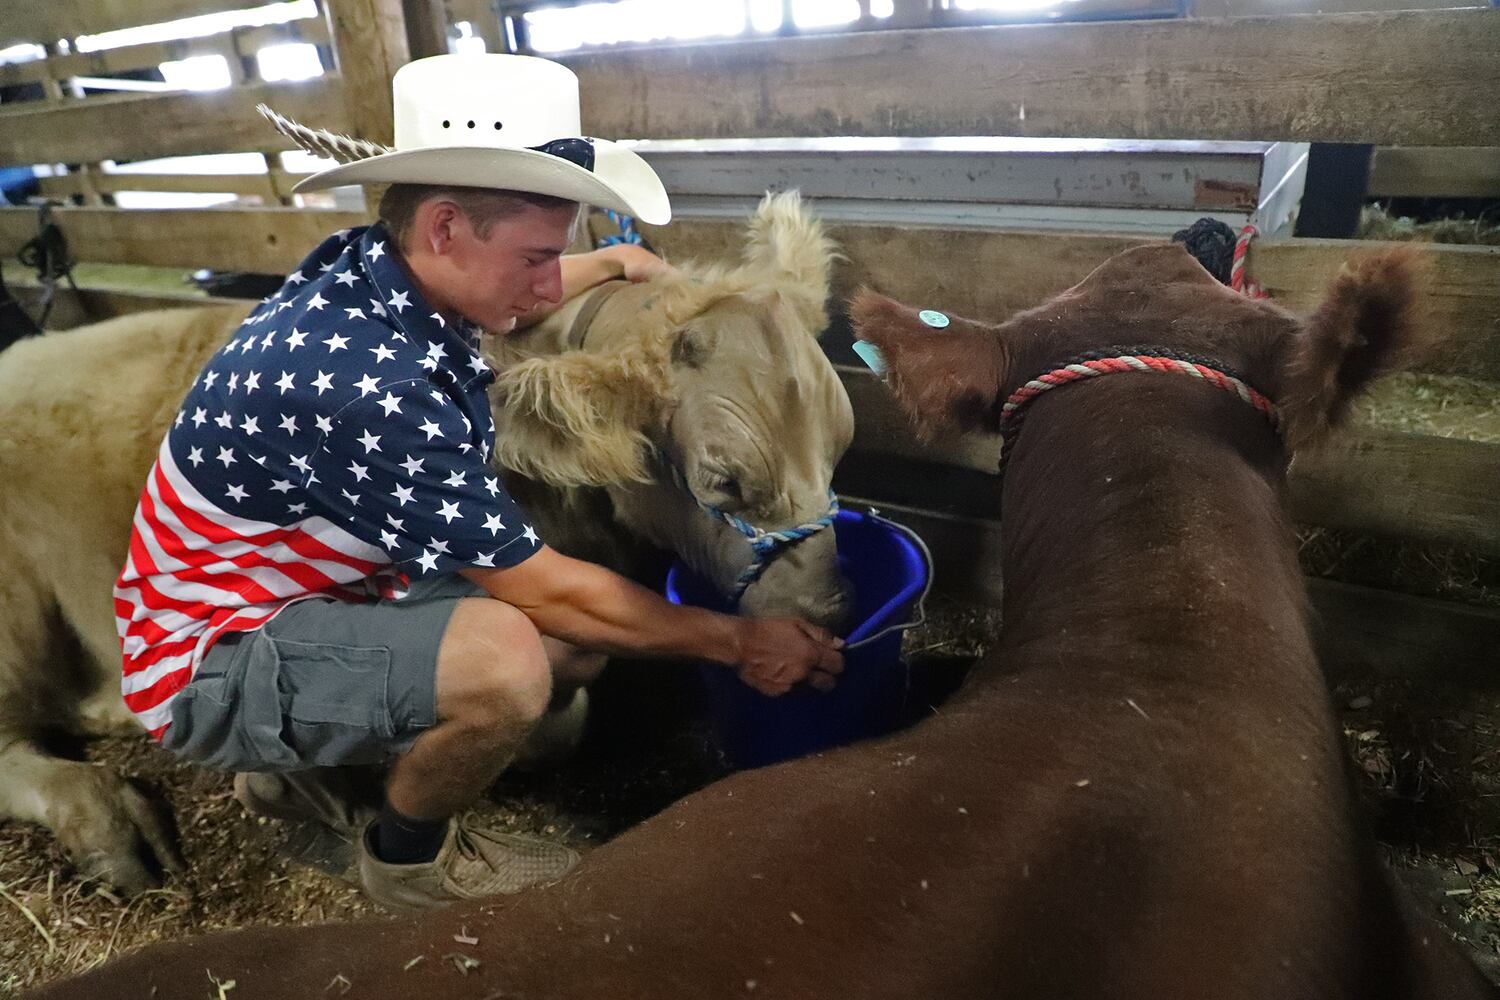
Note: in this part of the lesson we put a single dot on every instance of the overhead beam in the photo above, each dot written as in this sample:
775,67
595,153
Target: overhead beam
1390,78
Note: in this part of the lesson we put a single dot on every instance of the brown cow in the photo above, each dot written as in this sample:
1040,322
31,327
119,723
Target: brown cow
1139,794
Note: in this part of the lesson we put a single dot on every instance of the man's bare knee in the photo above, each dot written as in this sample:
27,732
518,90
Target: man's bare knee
572,666
492,667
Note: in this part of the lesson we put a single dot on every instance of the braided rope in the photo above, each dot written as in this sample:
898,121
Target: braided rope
764,544
1114,360
626,225
1238,280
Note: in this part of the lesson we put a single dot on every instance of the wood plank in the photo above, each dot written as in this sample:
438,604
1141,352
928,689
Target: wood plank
147,126
992,274
263,240
244,184
1356,629
1389,78
369,39
128,57
1426,171
54,19
1365,479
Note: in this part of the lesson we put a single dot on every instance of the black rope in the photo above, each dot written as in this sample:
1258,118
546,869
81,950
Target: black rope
1211,243
47,252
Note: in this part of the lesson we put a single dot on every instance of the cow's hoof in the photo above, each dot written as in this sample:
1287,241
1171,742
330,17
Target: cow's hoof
556,735
110,831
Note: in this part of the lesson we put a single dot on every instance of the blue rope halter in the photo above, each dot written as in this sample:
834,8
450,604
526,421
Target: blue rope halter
764,545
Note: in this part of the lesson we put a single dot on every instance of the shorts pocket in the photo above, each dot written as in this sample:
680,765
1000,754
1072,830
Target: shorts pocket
334,701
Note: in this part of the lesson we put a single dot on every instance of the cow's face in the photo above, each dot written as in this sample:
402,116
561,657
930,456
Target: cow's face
756,421
708,387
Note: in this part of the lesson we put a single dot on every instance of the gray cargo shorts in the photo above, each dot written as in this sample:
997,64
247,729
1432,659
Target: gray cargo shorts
324,683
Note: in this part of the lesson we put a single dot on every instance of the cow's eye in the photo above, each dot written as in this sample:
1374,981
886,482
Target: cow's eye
724,486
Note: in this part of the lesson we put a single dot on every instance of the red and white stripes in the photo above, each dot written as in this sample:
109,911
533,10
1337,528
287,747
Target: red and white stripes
195,572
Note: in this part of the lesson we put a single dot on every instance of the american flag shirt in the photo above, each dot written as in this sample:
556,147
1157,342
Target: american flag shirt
337,445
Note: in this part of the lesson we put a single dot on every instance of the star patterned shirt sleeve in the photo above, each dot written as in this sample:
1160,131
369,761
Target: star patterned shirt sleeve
404,469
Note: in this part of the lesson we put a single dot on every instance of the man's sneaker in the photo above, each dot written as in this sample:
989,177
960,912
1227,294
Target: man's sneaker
325,810
473,863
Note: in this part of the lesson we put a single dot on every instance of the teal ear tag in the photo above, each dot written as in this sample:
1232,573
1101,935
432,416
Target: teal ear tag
870,355
933,318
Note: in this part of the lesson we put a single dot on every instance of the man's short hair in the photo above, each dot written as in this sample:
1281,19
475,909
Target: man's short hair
483,206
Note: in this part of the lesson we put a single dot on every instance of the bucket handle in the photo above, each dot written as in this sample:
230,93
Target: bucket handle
921,606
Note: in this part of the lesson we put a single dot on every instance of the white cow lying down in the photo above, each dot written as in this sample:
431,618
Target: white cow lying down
711,383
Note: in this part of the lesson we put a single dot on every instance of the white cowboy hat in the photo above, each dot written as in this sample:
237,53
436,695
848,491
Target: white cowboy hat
492,121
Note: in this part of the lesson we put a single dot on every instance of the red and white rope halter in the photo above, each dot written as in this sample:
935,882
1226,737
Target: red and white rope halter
1238,280
1111,361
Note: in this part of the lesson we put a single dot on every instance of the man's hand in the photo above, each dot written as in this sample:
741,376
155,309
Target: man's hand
636,263
776,653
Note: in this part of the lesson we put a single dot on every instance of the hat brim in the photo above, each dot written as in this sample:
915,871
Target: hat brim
620,180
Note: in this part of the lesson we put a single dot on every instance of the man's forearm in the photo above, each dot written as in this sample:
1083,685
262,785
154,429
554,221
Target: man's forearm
597,609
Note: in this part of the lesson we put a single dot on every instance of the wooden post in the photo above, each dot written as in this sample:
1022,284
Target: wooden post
426,27
369,41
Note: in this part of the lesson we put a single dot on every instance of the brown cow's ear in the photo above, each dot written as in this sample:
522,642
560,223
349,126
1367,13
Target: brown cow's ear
947,379
1365,327
577,419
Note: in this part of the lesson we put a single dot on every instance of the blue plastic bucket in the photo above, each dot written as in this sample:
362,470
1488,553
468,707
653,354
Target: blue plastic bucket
890,570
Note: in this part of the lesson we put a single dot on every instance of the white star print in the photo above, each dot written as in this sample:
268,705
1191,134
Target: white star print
376,249
412,465
199,416
208,380
355,312
382,353
353,498
389,540
258,459
288,424
367,385
492,486
287,381
478,365
251,425
398,300
399,523
195,455
295,339
236,492
226,455
390,403
449,511
438,396
252,382
265,341
323,381
454,479
342,275
177,420
281,486
530,535
324,424
377,308
439,318
336,343
317,301
247,345
370,441
492,522
296,508
296,277
440,546
427,560
484,559
224,420
300,463
325,268
234,381
431,429
402,495
361,472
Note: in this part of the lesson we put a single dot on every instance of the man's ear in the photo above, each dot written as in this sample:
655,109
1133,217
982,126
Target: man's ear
1366,326
577,419
947,379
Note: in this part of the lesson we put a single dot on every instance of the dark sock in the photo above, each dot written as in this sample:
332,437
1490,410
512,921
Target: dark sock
402,840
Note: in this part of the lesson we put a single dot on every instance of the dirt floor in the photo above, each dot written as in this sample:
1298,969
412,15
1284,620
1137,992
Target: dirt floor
1428,765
